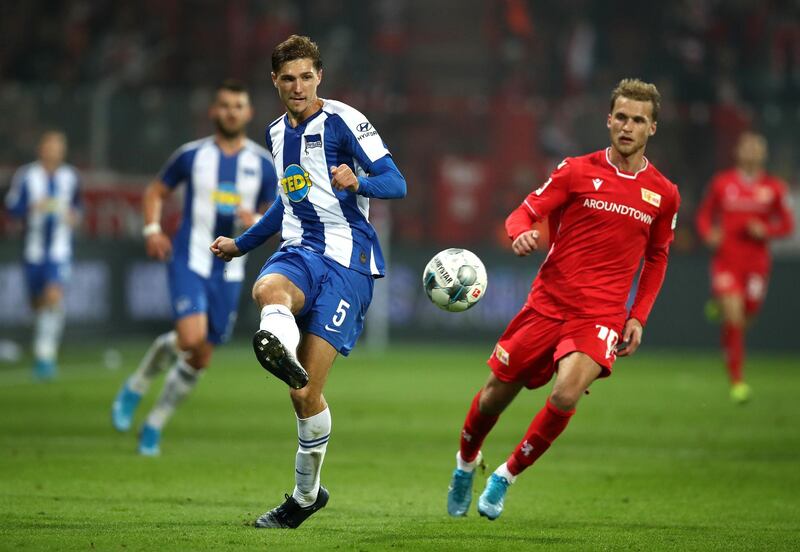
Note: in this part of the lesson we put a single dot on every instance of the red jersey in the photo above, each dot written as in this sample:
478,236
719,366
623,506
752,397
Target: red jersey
602,223
732,201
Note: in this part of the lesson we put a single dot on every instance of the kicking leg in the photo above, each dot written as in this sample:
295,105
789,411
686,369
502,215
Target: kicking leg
275,343
313,432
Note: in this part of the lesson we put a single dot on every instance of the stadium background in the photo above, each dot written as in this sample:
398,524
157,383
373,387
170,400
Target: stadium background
476,111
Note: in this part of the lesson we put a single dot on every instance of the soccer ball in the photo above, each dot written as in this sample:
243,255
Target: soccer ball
454,279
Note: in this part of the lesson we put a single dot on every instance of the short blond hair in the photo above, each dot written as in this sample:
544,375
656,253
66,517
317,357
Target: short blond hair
635,89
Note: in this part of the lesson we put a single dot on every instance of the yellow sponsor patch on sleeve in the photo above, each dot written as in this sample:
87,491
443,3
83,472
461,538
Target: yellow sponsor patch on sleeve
651,197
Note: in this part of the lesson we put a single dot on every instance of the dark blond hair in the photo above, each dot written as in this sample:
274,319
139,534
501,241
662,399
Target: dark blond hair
296,47
635,89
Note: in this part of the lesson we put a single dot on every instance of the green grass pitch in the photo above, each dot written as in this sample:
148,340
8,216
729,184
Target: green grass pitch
657,457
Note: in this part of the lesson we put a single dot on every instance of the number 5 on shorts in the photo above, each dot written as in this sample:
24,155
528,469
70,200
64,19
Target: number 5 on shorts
341,313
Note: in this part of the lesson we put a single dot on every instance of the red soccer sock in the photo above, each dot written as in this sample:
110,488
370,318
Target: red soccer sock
476,427
545,427
733,345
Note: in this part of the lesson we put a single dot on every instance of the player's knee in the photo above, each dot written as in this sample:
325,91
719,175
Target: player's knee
305,401
191,343
266,294
565,397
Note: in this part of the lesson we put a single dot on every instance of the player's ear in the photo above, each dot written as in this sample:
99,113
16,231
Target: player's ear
274,79
652,129
319,76
608,121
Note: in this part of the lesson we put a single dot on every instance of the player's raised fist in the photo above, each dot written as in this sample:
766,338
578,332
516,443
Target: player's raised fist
526,243
343,178
225,248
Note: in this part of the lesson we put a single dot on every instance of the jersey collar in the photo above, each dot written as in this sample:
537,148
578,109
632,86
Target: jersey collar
624,174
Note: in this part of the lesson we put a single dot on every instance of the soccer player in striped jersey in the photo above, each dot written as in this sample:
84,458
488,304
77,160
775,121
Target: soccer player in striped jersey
228,179
314,292
46,194
607,211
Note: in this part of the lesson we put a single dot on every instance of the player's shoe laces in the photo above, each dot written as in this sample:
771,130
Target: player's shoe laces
44,370
740,392
149,440
490,503
290,514
279,362
124,406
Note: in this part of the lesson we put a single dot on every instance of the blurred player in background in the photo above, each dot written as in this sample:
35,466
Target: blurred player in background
607,210
46,195
228,180
744,208
314,292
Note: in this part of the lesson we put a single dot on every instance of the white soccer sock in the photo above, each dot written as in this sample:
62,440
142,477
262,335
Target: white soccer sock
161,354
179,382
313,434
502,471
468,467
280,322
48,326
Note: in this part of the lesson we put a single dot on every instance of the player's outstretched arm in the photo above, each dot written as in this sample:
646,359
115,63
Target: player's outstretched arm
225,248
631,338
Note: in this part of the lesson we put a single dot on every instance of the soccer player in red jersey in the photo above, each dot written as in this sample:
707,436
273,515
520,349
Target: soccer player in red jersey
607,210
743,209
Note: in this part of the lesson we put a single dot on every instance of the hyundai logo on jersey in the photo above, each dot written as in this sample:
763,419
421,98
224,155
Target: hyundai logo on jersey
313,141
363,127
296,183
227,198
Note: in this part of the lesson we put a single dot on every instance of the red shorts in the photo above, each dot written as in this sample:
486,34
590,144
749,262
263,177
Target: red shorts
530,348
727,278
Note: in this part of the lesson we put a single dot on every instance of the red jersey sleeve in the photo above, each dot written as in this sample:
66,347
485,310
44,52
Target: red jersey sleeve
542,201
708,209
781,223
655,261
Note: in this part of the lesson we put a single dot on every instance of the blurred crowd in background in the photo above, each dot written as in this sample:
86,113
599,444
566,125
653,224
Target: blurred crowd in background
478,99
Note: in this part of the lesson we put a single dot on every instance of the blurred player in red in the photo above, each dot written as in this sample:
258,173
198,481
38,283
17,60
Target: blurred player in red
743,209
607,210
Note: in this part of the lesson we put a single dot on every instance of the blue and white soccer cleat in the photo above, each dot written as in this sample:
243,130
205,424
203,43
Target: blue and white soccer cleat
44,370
459,494
490,503
149,440
124,406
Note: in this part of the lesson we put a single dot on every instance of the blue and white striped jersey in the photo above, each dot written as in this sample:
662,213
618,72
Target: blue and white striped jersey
45,201
315,215
216,185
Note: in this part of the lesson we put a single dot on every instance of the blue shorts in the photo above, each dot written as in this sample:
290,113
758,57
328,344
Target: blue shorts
215,297
39,276
337,298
